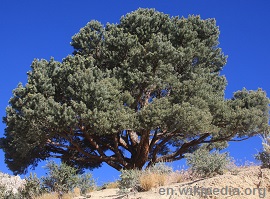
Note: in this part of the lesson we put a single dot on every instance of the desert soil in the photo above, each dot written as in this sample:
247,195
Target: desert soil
249,183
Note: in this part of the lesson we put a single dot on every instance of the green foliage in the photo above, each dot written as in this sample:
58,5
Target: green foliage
208,164
85,183
264,156
129,180
151,78
33,187
160,168
64,178
60,178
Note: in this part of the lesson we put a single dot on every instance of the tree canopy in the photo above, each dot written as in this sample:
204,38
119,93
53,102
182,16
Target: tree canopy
143,91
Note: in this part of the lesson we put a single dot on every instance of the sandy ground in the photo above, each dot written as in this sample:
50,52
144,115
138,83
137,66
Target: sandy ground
249,183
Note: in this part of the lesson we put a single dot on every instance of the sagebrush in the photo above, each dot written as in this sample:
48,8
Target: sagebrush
208,164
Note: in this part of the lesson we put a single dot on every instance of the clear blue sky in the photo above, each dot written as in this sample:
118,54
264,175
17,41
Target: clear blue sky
41,29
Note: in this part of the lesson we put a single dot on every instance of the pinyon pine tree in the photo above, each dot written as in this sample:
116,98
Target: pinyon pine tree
143,91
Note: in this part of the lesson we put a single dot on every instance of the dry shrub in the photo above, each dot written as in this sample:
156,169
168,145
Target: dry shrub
150,180
144,180
77,191
112,185
177,177
147,181
160,179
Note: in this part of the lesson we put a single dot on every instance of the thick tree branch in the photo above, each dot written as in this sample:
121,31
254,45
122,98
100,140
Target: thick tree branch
153,141
183,149
142,151
134,138
117,152
168,137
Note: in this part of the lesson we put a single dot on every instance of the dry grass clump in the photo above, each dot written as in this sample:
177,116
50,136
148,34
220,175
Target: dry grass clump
76,191
157,175
176,177
150,180
112,185
144,180
161,179
147,181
